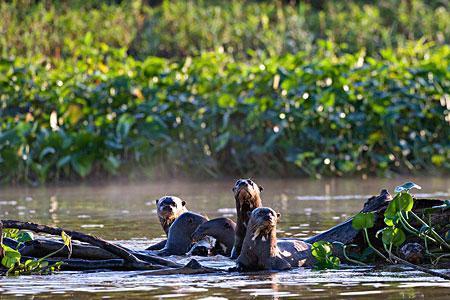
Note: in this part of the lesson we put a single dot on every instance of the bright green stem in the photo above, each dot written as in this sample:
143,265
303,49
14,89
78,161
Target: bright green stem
434,233
408,227
51,254
345,254
366,235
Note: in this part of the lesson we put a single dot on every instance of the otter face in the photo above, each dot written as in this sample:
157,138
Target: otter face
246,189
169,207
264,218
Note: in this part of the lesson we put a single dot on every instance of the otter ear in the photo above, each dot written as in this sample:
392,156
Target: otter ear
183,203
190,220
278,215
156,201
260,188
227,225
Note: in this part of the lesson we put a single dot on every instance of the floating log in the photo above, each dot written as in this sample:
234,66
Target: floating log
131,261
344,232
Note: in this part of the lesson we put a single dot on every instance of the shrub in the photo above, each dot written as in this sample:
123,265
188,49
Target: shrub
102,112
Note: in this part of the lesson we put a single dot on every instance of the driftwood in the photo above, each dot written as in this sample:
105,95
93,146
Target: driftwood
344,232
130,260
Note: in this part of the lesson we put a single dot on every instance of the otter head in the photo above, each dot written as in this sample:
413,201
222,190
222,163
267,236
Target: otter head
219,229
263,222
170,207
245,190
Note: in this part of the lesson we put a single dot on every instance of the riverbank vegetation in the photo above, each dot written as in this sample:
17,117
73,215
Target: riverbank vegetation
79,102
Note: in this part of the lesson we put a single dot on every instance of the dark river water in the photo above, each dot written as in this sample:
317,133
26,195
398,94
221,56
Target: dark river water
126,214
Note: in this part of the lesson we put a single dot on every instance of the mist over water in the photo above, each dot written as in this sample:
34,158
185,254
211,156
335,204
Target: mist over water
126,214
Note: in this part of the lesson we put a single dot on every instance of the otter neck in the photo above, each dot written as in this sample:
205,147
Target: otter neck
247,205
165,223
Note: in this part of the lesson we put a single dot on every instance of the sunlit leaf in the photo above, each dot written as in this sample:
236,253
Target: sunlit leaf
393,235
363,220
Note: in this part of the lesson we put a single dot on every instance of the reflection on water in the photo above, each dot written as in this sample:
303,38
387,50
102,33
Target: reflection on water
126,214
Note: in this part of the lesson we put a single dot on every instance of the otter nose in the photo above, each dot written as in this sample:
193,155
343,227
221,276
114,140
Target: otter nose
268,218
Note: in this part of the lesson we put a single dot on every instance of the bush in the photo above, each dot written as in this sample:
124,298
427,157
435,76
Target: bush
102,112
241,28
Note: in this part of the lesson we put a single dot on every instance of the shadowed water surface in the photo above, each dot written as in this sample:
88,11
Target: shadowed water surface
126,214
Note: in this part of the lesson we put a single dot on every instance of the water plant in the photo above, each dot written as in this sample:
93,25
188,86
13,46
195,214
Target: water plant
323,253
101,113
397,218
15,265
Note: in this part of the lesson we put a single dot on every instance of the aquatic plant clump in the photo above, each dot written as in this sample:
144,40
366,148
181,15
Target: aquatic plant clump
102,113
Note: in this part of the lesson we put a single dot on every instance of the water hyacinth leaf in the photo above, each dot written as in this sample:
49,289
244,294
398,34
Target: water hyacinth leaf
321,249
394,236
11,233
407,186
335,262
66,239
46,151
11,257
24,236
67,242
363,220
64,161
82,165
222,141
124,125
405,202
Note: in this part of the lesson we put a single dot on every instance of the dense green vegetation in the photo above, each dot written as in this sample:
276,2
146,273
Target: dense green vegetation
103,112
255,87
241,28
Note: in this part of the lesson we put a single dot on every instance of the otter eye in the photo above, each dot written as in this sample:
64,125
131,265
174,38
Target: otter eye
190,220
227,225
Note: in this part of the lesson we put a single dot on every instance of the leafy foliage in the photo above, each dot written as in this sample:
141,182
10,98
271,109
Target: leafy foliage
102,112
12,259
322,252
363,220
240,28
396,218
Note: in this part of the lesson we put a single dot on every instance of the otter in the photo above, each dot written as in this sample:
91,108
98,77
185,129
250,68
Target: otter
179,239
247,196
168,209
261,251
222,230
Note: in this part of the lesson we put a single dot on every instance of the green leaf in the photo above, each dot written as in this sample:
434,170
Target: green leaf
11,257
320,249
124,125
82,165
405,202
46,151
363,220
63,161
222,141
24,236
66,239
394,236
407,186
